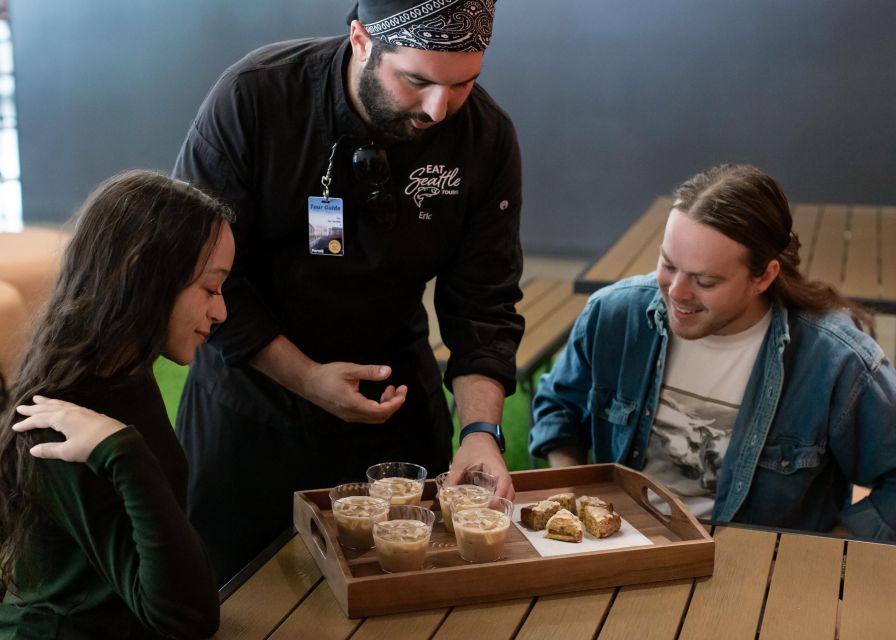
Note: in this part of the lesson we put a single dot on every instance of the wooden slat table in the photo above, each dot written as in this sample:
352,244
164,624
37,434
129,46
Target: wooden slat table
766,584
853,247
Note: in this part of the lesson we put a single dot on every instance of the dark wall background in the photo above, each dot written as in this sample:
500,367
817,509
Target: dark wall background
614,102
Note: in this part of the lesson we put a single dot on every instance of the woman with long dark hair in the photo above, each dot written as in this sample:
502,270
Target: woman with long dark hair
104,549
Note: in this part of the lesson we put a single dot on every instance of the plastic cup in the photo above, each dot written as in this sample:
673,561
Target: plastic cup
357,506
480,531
402,540
404,479
474,488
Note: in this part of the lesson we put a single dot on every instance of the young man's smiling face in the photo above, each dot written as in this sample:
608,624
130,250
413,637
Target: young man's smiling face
705,283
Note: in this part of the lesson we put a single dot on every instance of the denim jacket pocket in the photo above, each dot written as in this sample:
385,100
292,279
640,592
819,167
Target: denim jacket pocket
788,456
609,409
615,421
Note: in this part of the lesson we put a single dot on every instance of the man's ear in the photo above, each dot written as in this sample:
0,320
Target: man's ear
360,40
763,282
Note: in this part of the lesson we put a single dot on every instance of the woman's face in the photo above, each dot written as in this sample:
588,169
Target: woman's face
201,304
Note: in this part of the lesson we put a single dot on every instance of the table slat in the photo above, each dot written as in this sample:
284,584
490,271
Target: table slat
257,607
545,305
646,260
493,620
417,625
888,253
572,616
868,588
540,298
861,279
885,332
618,257
805,587
533,290
648,612
535,336
728,604
319,616
805,225
827,257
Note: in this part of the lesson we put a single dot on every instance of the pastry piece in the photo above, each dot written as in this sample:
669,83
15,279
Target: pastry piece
594,501
535,516
599,521
567,501
564,526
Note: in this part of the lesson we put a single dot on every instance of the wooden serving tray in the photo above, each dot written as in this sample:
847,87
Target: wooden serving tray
681,549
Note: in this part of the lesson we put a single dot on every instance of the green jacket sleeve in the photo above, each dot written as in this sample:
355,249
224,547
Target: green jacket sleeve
120,509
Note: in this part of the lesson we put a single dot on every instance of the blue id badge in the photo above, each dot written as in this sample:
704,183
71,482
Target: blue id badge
325,230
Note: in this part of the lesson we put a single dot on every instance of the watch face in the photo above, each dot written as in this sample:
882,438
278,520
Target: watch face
500,436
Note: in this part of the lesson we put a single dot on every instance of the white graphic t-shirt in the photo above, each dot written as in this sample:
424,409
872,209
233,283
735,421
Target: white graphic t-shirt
703,386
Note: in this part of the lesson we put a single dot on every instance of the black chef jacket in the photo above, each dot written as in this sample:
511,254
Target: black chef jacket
261,142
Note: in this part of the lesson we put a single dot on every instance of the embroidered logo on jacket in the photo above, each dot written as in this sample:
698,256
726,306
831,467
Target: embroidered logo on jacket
431,180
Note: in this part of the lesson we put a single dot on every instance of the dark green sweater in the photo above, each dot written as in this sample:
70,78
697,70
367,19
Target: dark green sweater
114,554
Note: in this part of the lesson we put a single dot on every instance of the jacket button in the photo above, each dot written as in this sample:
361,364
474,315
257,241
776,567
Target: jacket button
635,453
784,464
647,412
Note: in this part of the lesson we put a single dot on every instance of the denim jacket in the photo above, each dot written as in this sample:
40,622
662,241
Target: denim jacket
818,413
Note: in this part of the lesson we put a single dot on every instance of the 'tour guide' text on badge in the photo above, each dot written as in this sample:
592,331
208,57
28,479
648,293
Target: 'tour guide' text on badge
325,228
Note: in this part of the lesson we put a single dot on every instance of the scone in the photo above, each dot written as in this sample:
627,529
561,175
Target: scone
535,516
595,502
599,521
567,501
563,525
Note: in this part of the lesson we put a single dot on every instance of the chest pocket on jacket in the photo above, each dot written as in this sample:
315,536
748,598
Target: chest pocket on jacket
614,410
788,456
616,418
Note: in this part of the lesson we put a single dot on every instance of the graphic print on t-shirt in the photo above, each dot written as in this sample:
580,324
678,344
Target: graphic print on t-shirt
693,433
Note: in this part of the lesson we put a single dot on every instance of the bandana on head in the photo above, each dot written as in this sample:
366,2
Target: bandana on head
433,25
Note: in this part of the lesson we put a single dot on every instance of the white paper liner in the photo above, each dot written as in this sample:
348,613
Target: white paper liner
627,536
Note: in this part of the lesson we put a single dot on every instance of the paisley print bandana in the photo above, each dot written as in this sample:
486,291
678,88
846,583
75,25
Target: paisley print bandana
433,25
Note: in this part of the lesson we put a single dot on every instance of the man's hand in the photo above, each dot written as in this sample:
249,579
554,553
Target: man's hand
83,429
479,452
334,387
480,398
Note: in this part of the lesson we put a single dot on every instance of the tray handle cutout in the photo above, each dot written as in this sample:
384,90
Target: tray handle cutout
649,496
642,488
317,535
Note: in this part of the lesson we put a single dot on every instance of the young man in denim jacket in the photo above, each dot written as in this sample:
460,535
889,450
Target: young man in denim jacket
747,390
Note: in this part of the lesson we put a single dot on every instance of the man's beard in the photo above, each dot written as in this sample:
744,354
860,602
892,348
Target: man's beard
389,123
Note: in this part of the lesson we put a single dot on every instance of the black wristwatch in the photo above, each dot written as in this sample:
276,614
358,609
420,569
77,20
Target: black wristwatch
485,427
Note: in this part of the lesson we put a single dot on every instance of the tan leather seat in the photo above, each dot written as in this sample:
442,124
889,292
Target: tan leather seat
13,323
29,264
30,260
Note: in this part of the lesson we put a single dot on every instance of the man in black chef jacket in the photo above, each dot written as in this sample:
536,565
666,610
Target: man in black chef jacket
359,168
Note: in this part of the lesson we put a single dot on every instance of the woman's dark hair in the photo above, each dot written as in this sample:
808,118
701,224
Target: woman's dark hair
136,245
747,205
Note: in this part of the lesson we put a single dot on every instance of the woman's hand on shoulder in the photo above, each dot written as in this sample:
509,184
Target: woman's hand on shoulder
83,429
